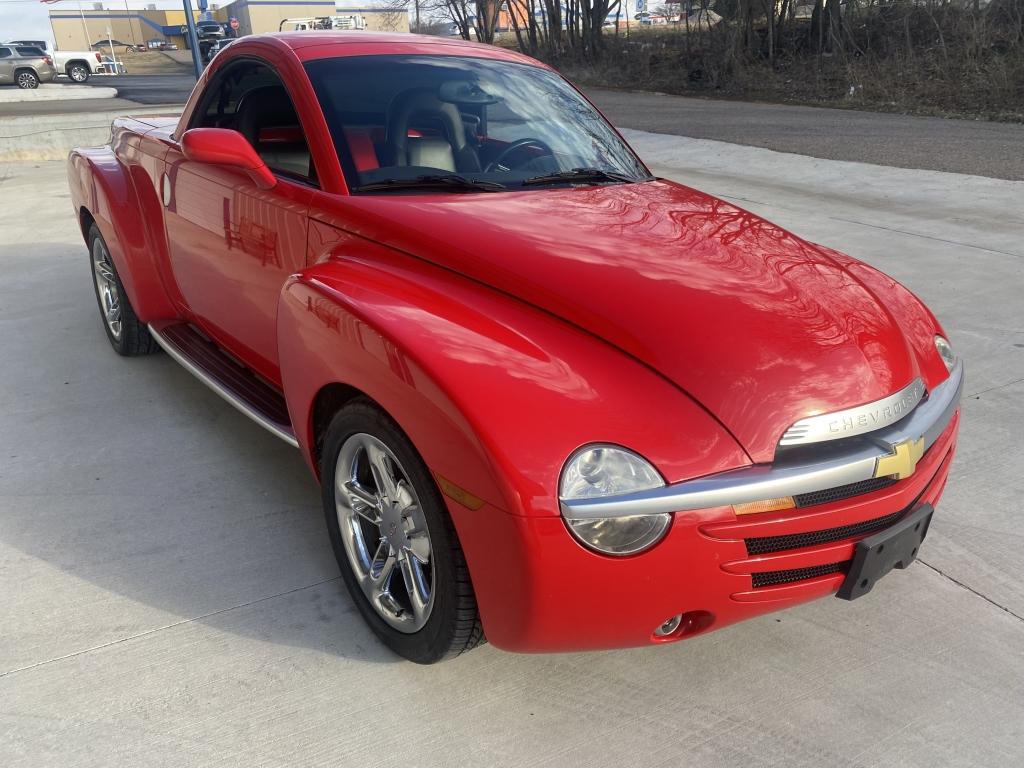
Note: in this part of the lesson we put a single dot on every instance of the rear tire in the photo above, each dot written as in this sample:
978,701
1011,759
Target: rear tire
78,72
413,587
128,335
27,79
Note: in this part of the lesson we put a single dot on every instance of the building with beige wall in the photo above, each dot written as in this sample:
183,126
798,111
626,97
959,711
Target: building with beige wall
75,30
255,16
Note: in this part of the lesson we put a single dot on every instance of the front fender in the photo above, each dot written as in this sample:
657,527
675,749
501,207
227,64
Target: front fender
495,395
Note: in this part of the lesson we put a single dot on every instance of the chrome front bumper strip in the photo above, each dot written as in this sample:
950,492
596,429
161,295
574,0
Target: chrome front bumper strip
756,483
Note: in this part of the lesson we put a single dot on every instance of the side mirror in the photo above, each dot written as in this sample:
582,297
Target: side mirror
221,146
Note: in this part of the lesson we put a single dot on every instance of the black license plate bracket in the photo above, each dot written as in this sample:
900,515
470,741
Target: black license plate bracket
876,555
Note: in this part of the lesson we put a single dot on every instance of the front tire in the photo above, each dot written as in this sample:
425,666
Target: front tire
27,79
128,335
394,542
78,72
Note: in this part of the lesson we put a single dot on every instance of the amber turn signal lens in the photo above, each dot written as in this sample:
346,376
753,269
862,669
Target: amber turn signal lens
768,505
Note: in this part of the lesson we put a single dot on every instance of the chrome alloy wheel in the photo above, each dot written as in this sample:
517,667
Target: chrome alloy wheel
384,530
106,287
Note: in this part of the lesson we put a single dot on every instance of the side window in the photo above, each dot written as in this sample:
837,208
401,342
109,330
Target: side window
5,53
250,98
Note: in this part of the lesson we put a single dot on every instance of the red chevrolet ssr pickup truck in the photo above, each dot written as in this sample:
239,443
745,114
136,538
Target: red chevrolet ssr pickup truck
550,399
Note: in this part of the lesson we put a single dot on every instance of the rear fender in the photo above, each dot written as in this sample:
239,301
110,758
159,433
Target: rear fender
121,198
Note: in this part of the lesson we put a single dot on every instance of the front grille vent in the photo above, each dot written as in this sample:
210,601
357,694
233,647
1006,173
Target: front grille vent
842,492
774,578
764,545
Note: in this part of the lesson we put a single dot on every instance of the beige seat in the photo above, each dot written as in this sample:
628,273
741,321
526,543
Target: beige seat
430,152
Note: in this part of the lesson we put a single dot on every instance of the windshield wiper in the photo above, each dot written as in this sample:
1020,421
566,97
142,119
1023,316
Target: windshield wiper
450,181
581,175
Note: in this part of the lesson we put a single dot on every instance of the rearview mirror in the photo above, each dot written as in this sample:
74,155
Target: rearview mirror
464,92
221,146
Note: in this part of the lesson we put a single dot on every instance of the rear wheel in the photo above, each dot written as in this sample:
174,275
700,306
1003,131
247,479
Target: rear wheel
78,72
26,78
128,335
395,544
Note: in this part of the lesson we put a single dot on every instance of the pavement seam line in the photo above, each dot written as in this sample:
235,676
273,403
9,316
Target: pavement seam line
166,626
997,386
971,589
926,237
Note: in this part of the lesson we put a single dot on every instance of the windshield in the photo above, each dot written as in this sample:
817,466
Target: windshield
404,122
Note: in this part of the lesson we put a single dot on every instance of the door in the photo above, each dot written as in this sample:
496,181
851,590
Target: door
231,244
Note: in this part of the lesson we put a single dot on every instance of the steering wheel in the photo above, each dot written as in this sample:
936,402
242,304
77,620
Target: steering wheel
514,147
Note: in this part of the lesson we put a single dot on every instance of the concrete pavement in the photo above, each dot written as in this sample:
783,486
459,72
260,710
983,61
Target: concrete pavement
170,597
53,92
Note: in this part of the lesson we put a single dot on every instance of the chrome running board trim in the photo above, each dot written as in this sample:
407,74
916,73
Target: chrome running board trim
768,481
282,431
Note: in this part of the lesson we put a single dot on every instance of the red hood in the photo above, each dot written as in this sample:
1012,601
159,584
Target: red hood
759,326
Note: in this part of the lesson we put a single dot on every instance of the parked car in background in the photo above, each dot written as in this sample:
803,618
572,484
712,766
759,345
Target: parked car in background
108,42
210,29
118,46
219,46
25,71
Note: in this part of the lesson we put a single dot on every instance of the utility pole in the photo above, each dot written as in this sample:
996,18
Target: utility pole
85,27
135,40
193,38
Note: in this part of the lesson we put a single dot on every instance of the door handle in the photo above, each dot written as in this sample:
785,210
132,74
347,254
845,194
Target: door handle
165,190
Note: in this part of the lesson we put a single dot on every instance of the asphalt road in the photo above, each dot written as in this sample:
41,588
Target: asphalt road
150,89
170,597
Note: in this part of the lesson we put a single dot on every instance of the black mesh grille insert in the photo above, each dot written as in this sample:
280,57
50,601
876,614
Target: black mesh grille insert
766,544
774,578
843,491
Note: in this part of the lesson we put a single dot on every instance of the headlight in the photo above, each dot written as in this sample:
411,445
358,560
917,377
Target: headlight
607,470
945,352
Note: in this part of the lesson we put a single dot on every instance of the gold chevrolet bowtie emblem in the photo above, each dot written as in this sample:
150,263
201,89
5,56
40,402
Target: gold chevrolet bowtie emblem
902,462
